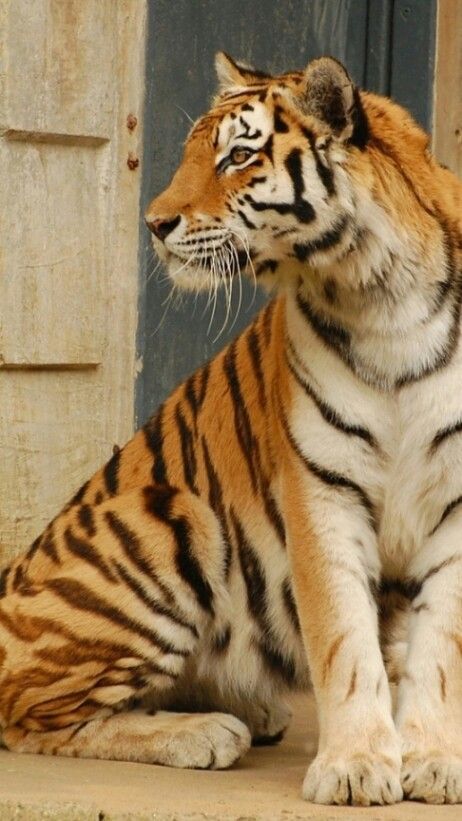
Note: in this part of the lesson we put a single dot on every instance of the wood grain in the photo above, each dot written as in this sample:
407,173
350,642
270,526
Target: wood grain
69,252
447,106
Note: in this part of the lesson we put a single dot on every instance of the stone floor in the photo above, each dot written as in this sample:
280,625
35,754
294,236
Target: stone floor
264,786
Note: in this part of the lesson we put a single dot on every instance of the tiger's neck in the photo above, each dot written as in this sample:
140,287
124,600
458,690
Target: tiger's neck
389,309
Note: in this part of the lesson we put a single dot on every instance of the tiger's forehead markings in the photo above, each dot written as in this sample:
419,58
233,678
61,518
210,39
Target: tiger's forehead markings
253,98
248,125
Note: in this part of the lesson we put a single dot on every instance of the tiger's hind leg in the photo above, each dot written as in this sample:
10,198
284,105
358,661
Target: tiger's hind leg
188,740
105,610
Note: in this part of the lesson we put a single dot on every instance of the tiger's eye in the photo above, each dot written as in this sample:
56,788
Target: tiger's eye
239,155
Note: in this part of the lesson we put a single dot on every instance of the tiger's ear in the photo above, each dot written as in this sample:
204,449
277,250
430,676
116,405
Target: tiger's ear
231,74
329,94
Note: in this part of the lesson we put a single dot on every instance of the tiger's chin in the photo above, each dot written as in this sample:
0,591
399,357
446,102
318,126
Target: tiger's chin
189,277
204,275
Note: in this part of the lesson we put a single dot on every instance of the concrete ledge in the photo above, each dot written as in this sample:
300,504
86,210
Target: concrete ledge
265,786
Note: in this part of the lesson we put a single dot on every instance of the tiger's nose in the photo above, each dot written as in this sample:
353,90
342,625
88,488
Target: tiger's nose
161,227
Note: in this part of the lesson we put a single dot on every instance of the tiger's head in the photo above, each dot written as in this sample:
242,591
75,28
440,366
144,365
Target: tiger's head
275,178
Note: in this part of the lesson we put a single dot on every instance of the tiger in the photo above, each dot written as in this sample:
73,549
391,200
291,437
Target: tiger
291,515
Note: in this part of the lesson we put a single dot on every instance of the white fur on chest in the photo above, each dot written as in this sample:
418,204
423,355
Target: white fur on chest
409,482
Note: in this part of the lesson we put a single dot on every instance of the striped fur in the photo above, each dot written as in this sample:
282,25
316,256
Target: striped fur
297,499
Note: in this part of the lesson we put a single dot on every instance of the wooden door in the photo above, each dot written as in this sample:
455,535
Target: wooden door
71,72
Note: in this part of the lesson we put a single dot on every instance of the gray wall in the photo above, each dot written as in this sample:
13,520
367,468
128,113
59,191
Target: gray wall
387,45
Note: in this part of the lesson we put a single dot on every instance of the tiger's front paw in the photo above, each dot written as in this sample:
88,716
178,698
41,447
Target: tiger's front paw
361,779
435,778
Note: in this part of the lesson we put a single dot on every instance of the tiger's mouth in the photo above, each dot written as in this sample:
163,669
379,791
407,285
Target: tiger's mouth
204,267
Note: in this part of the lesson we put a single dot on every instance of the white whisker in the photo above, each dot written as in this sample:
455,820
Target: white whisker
184,112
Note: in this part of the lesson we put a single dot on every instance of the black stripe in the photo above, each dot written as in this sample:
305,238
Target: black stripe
293,164
157,670
300,208
254,578
334,336
188,453
280,125
77,499
87,553
268,148
48,545
253,346
87,520
327,412
330,290
3,581
154,440
271,509
34,547
444,434
111,474
252,573
266,265
276,662
257,181
134,551
195,390
253,89
325,173
408,588
78,729
361,130
246,133
18,577
217,504
445,287
303,210
449,562
289,603
246,439
80,649
221,641
204,375
327,240
248,223
447,510
82,598
153,605
330,477
190,396
268,322
187,564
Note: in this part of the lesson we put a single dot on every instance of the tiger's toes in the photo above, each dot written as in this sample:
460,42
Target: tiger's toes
208,741
361,780
435,778
269,724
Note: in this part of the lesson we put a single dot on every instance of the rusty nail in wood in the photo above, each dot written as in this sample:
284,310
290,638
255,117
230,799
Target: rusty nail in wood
132,122
132,161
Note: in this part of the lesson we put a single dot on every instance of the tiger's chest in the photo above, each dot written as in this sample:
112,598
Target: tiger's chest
402,450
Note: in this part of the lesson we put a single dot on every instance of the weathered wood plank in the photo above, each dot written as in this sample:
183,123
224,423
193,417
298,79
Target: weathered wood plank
69,252
45,447
447,117
60,57
52,277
